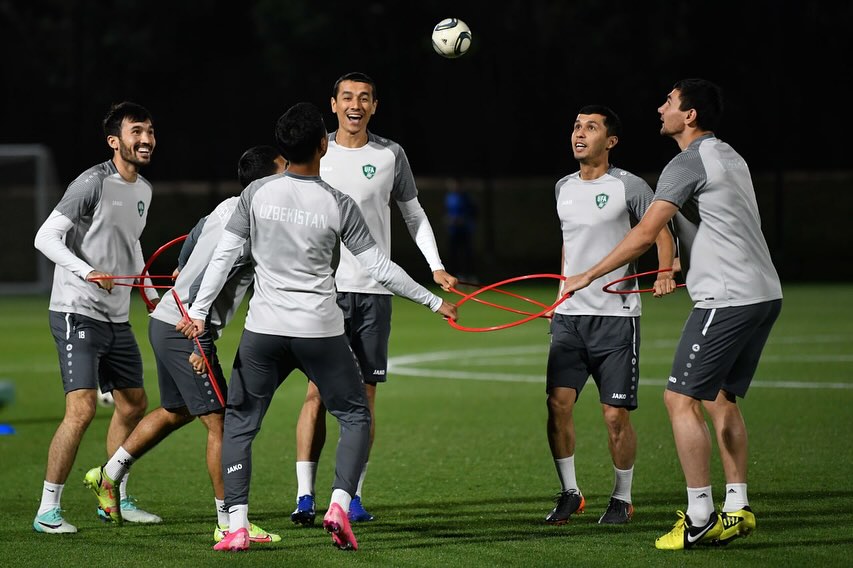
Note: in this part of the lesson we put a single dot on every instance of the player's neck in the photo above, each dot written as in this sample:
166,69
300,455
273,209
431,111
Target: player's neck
128,172
590,172
688,135
351,139
310,169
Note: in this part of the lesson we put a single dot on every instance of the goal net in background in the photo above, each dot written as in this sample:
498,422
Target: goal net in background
29,189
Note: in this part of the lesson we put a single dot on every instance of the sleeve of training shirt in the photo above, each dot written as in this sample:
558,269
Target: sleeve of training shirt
223,259
421,231
227,251
638,197
50,240
680,178
190,242
390,275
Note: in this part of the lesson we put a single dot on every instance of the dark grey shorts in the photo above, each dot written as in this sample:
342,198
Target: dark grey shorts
94,353
606,347
367,322
179,384
720,348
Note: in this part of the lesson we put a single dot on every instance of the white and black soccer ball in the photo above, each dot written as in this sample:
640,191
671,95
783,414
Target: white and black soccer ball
105,399
451,38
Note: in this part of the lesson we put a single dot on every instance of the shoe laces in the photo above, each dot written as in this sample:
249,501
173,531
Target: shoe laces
54,514
129,503
566,494
682,520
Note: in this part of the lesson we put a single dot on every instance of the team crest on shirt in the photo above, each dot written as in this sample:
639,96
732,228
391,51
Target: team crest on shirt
368,170
601,200
140,206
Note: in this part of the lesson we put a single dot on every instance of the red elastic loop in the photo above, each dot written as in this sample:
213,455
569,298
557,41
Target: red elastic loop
210,374
629,277
529,316
133,284
151,260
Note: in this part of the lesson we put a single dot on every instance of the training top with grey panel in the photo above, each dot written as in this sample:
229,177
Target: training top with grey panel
372,175
295,223
189,243
109,215
595,215
186,285
718,226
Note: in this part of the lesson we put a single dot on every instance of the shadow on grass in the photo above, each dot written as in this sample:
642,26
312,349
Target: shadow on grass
426,524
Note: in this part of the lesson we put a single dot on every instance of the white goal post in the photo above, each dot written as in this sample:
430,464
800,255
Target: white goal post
29,190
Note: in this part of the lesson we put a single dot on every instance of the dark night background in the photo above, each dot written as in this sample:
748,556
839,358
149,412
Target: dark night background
216,76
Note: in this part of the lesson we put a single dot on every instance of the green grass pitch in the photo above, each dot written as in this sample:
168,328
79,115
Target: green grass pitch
460,474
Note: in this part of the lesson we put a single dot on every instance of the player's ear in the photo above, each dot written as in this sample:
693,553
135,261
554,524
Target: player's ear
612,141
334,105
112,141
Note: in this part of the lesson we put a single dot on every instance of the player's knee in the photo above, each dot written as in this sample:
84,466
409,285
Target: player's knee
559,404
178,417
312,395
80,416
131,409
80,408
616,419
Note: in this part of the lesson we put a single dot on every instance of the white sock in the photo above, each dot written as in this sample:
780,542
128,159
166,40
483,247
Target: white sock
566,472
622,485
736,498
222,517
122,487
700,505
360,481
51,495
306,475
118,465
342,498
238,517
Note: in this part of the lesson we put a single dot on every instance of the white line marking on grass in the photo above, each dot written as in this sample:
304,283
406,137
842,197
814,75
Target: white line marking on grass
408,365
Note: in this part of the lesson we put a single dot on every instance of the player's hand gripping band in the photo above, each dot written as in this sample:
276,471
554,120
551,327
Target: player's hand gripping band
607,286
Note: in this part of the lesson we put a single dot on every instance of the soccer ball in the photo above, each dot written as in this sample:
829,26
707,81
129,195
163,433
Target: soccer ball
105,399
451,38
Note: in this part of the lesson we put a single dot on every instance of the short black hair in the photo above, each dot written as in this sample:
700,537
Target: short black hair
358,77
257,162
611,120
119,111
703,96
299,132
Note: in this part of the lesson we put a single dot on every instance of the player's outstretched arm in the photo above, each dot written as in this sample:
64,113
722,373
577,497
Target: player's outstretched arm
665,281
636,242
389,274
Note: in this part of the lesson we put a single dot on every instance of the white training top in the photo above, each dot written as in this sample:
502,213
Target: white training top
373,175
595,215
295,224
96,226
718,226
186,285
